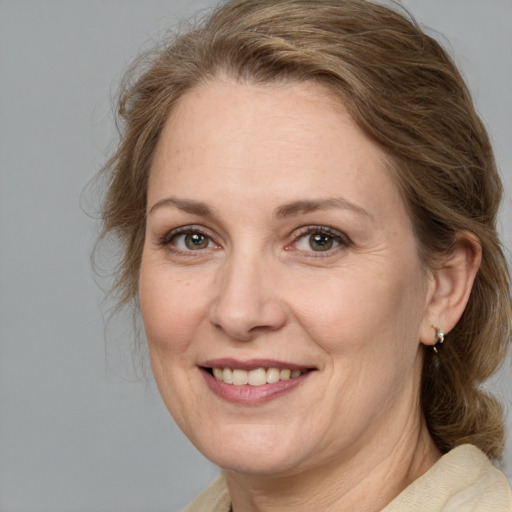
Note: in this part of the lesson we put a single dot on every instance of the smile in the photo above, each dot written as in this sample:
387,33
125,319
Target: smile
253,382
256,377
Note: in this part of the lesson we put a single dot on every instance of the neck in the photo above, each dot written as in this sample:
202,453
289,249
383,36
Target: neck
367,479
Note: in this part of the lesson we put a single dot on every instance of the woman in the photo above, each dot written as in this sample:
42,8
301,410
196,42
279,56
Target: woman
307,202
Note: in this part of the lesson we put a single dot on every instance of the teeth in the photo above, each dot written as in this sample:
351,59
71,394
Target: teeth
256,377
227,375
240,377
272,375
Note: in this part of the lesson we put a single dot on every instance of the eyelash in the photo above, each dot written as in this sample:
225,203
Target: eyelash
170,237
169,240
340,238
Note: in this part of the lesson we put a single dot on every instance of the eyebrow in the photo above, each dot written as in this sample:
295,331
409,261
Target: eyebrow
186,205
287,210
306,206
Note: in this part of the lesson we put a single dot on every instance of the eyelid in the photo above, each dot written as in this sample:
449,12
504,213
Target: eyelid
340,237
166,239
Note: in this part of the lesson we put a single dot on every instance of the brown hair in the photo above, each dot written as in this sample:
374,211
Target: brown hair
406,94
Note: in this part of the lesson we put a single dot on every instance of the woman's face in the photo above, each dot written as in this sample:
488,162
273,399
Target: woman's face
278,252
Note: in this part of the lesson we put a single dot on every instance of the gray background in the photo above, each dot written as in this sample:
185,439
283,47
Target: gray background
78,432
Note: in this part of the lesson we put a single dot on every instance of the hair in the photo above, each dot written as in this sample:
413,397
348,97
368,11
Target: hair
407,96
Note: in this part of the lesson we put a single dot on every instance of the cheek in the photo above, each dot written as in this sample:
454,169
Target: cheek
169,307
363,311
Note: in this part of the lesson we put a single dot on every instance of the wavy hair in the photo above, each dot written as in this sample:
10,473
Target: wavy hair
405,93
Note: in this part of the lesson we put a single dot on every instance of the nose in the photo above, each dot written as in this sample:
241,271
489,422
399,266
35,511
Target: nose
247,303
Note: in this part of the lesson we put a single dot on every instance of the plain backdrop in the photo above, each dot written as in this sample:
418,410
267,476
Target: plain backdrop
78,431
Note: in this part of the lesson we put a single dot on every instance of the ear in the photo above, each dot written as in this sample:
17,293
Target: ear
450,286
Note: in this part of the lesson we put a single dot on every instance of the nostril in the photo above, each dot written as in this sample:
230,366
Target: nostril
247,304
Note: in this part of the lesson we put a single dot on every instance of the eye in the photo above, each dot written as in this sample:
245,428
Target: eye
193,241
319,239
317,242
188,240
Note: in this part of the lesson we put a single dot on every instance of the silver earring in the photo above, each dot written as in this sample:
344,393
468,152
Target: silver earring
439,339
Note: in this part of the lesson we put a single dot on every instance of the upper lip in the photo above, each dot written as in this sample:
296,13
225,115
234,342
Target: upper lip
252,364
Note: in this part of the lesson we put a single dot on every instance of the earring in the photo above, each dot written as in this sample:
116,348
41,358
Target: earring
439,339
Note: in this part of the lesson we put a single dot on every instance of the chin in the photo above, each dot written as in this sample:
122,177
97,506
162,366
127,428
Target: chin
251,450
260,464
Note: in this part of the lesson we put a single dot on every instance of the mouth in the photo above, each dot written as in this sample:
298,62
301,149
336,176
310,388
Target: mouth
254,381
255,377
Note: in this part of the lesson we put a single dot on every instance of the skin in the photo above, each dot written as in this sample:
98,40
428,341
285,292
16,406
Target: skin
351,436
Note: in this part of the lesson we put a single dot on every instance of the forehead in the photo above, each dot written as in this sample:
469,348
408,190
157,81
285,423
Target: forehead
295,139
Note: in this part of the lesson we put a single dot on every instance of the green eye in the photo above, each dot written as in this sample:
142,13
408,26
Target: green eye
195,241
321,242
187,241
320,239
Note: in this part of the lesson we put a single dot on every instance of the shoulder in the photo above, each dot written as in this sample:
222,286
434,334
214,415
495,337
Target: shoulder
463,480
215,498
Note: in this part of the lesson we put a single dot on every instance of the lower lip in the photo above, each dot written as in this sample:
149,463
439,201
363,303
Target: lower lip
252,395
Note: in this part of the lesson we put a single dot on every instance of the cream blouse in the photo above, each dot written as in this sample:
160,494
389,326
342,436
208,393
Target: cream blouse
463,480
